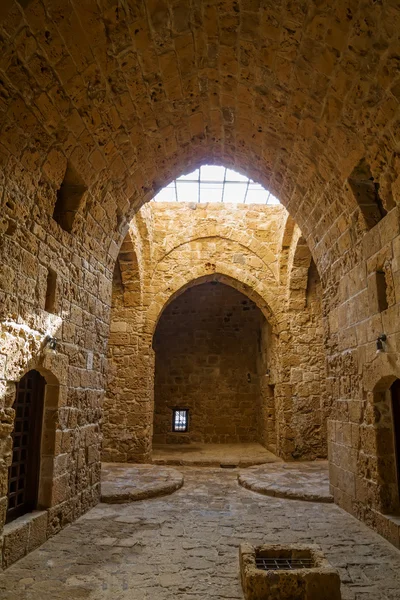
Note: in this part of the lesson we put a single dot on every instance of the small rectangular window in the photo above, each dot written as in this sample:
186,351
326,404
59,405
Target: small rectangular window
381,289
69,198
180,419
366,194
51,291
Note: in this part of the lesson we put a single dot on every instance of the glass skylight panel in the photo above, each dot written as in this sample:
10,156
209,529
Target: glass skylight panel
187,191
234,176
256,194
167,194
211,192
273,200
235,192
212,173
213,183
194,175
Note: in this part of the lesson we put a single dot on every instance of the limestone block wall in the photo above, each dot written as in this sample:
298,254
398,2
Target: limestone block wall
241,246
363,473
206,346
303,371
131,95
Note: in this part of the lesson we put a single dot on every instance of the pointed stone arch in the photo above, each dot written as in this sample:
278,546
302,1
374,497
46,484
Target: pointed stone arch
242,281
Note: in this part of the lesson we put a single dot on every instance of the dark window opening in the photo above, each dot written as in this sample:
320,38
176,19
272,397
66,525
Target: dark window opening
381,291
395,392
11,228
366,193
51,291
23,474
69,198
180,419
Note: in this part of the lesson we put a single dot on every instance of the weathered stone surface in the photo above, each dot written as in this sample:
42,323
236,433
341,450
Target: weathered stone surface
186,546
319,580
128,483
215,455
131,94
300,481
206,346
216,354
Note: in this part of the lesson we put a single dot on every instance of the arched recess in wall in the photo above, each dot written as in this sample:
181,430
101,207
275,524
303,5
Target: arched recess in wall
126,288
125,324
299,265
224,233
309,408
287,237
248,285
32,480
233,336
380,434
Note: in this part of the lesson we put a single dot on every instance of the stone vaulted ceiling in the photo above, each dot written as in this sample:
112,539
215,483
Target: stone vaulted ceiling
133,93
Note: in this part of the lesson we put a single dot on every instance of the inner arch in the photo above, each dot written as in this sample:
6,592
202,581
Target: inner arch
211,347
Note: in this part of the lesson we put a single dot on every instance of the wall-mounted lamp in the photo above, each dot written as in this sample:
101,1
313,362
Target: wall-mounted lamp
50,343
379,342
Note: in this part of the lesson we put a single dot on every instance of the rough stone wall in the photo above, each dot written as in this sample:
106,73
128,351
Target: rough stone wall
206,345
239,245
268,372
359,379
302,421
134,94
305,365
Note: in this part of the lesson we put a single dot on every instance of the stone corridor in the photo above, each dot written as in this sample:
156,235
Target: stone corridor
186,546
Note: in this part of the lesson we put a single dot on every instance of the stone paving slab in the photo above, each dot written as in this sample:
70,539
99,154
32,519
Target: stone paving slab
307,481
212,455
121,482
185,546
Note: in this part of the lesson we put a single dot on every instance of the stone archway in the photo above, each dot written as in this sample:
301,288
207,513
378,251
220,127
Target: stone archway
208,355
378,455
145,95
129,403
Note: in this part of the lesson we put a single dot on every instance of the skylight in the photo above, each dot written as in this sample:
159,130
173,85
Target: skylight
212,183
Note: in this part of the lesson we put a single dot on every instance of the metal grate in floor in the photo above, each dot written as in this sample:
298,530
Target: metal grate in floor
283,564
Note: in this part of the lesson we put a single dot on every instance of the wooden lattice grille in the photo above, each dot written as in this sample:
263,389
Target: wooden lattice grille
23,476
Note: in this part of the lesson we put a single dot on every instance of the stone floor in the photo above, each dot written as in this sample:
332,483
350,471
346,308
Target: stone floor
243,455
185,546
121,482
300,480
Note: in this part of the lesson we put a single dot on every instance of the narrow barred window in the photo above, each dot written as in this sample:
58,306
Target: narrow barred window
180,419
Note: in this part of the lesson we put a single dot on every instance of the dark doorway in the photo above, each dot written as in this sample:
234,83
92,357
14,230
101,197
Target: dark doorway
395,389
23,476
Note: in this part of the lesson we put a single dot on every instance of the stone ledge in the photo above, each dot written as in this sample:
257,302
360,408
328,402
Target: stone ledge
307,481
121,482
23,535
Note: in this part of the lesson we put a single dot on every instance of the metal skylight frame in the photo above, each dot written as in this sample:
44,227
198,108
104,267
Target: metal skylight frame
220,180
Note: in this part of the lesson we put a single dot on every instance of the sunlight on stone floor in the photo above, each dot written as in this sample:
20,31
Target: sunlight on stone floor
212,454
186,546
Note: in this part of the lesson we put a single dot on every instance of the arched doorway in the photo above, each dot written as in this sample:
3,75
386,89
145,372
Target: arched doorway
395,393
209,356
23,475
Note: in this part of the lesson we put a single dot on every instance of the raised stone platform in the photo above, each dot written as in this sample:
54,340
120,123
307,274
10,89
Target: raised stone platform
298,481
121,482
212,455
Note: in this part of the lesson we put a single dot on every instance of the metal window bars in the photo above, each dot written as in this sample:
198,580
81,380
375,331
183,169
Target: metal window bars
283,564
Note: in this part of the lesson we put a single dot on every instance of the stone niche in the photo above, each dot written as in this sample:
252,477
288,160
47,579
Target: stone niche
287,572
